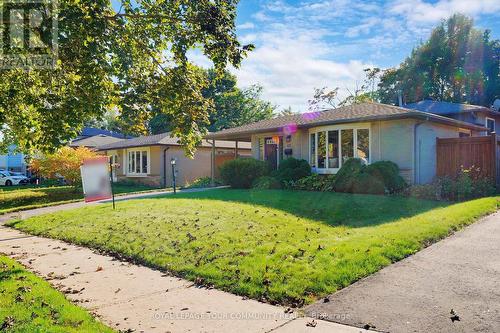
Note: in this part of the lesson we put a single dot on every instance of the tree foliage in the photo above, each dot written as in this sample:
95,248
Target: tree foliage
65,162
458,63
135,59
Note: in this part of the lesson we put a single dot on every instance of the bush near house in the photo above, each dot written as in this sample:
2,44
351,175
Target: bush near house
469,184
65,162
267,183
292,169
314,182
243,172
377,178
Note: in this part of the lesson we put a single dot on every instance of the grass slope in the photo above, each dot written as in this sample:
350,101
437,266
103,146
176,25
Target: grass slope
29,304
22,198
277,246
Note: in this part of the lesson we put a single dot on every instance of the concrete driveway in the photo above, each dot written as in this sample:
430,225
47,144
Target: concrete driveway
418,294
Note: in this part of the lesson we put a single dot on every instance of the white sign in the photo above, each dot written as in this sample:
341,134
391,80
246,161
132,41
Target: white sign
96,179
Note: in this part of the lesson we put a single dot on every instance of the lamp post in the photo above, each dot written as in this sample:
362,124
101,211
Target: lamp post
172,163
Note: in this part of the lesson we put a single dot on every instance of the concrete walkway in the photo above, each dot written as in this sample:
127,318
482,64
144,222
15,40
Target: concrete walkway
131,297
418,294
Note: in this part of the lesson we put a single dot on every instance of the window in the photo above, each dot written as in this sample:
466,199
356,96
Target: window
333,149
330,149
490,124
312,158
261,149
363,149
347,137
138,162
322,150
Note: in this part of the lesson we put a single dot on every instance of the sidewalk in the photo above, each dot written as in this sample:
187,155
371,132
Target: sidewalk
126,296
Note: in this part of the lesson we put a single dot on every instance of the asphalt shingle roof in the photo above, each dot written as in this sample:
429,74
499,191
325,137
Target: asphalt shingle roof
445,108
167,140
347,114
94,141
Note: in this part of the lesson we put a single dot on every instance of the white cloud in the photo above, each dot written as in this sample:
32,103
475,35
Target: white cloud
422,12
290,64
246,25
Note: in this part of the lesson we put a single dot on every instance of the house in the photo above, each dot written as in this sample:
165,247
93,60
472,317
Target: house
370,131
92,138
13,161
94,142
474,114
147,159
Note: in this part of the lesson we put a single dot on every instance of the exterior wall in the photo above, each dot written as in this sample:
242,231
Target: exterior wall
187,170
298,143
392,140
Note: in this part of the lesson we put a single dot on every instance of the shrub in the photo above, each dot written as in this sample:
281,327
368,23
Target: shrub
266,183
469,184
388,174
377,178
292,169
65,162
314,182
351,169
204,182
241,173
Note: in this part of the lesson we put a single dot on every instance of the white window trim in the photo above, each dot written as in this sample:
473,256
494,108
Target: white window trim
355,128
494,123
126,158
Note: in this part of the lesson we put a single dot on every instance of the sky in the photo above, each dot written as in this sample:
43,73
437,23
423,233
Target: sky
307,44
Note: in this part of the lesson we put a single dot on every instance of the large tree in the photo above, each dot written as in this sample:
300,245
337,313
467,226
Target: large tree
458,63
232,106
135,59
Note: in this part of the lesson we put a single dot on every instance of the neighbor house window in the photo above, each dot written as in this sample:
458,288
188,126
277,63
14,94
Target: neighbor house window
329,149
138,162
490,124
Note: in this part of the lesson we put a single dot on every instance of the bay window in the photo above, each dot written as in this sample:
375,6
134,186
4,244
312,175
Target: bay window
330,148
138,162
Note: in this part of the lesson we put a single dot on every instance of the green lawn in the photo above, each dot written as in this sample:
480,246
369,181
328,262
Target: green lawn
30,304
18,198
277,246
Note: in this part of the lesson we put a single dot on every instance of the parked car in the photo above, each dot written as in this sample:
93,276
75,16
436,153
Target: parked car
9,179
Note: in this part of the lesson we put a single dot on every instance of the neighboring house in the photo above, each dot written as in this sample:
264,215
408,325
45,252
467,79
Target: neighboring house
474,114
94,142
147,159
13,161
370,131
88,132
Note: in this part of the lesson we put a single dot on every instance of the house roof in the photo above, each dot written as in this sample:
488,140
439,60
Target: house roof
94,141
347,114
165,139
92,131
446,108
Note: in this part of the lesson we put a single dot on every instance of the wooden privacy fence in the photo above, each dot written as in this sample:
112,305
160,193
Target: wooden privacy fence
479,152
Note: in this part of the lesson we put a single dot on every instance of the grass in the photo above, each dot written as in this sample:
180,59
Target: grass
276,246
30,304
17,198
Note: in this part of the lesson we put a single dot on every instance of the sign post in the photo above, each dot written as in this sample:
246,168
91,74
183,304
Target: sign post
96,179
111,180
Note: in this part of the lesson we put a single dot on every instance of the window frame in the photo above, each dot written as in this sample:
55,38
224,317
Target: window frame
128,164
494,124
339,128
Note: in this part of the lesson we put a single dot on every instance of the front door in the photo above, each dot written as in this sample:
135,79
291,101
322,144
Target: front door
271,153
